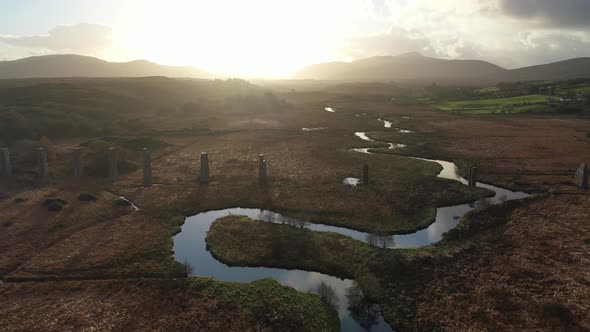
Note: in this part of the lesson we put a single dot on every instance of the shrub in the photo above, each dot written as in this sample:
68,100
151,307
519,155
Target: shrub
138,143
328,295
557,314
20,200
371,287
50,201
87,197
55,206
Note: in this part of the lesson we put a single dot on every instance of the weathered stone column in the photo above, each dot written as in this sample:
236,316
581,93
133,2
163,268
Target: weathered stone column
581,178
42,163
113,165
261,170
204,178
6,164
366,174
147,167
77,162
472,177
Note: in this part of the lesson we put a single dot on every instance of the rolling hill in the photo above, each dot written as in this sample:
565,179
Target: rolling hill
70,65
414,67
562,70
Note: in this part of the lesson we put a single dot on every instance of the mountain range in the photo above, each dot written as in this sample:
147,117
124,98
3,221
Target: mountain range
414,67
410,67
70,65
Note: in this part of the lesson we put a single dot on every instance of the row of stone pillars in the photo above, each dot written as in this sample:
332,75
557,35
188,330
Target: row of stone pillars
580,179
77,170
113,167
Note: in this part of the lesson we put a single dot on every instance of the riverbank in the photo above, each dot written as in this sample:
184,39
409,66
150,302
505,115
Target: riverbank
288,247
162,305
473,260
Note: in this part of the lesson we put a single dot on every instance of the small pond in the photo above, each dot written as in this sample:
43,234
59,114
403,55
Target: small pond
352,182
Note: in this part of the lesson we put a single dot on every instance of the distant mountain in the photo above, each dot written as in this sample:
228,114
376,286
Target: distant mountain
562,70
414,67
69,65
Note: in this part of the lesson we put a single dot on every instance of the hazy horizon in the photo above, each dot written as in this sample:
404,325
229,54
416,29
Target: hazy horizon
268,39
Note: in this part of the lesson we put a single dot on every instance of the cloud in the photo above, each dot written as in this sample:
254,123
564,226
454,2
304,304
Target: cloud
396,41
83,38
562,13
549,46
381,7
520,50
399,41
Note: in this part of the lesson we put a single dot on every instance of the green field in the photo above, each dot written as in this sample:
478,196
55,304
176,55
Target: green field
491,89
585,88
498,105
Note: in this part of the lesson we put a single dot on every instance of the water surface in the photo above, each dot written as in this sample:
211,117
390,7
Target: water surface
190,248
352,182
446,217
312,129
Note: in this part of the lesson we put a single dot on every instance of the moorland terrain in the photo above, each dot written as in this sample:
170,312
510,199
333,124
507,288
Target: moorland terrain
513,266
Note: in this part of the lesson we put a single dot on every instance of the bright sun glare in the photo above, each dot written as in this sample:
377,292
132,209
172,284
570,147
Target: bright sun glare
263,38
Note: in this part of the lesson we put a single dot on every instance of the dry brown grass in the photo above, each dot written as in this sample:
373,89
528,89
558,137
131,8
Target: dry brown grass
158,305
529,276
525,276
516,151
29,228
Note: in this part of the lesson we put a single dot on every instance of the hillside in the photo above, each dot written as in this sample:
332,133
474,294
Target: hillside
562,70
82,107
69,65
413,67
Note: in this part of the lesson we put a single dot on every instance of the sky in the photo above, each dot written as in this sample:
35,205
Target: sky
275,38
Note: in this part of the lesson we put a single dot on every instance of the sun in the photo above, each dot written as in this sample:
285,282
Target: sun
240,38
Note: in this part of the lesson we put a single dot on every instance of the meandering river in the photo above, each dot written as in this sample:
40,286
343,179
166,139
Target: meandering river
190,245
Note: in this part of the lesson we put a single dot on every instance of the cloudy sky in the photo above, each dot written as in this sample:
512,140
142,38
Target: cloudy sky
274,38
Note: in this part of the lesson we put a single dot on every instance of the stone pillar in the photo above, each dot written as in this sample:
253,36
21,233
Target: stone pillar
6,164
261,170
113,165
147,167
77,162
366,174
42,163
204,178
581,178
472,176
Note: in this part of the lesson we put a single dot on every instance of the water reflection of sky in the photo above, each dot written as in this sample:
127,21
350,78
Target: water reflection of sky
446,217
352,182
386,124
362,135
190,247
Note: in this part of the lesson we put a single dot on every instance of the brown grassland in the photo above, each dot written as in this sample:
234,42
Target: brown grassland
512,267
